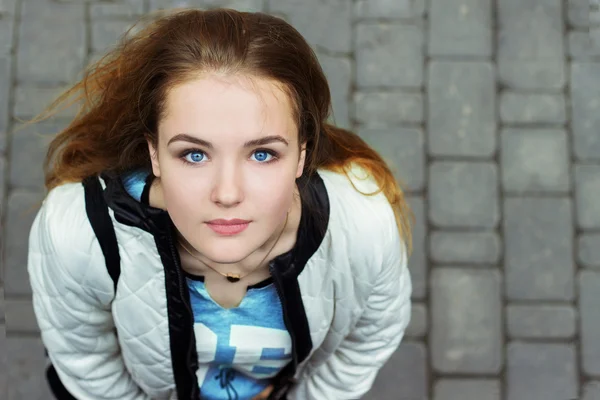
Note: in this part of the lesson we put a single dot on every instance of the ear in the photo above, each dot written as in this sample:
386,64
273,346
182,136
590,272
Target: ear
153,151
301,161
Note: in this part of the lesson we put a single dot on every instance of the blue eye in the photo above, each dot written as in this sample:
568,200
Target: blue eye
262,155
194,157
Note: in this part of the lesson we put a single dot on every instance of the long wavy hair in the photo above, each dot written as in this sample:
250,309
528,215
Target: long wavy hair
122,96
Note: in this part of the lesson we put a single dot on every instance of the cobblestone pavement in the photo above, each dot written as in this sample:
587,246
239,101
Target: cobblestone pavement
489,110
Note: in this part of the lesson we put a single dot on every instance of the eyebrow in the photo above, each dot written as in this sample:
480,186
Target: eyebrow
184,137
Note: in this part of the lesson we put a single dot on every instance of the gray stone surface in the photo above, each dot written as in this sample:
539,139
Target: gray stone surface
587,191
330,28
405,375
586,109
22,208
25,356
460,28
338,71
467,389
241,5
539,249
539,371
20,317
588,250
589,287
535,160
578,13
541,322
461,104
448,247
466,339
404,150
389,54
384,109
397,9
463,194
3,364
107,33
523,108
531,44
591,391
32,100
418,321
582,46
30,143
55,37
2,308
418,263
7,24
5,75
124,8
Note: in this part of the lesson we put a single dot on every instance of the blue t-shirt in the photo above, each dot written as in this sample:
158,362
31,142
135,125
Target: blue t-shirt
239,349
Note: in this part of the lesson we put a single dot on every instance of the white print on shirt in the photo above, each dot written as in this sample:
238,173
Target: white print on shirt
250,343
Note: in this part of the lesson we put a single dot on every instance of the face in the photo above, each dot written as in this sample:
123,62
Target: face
227,148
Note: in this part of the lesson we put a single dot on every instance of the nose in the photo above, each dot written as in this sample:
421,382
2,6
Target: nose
227,189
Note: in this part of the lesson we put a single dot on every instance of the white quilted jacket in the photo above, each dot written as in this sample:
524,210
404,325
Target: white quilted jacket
354,289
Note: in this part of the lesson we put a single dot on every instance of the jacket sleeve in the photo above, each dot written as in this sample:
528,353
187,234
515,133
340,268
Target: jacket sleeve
72,304
350,371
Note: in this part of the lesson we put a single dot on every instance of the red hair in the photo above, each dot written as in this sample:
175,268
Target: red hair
122,97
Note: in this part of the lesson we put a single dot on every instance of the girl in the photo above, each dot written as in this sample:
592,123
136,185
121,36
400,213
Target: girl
207,234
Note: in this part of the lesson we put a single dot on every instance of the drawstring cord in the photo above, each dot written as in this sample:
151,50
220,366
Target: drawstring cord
225,376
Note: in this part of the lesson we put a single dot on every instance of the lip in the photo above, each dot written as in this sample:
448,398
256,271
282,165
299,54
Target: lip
228,227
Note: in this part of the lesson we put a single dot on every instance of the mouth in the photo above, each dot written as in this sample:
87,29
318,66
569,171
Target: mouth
228,227
234,221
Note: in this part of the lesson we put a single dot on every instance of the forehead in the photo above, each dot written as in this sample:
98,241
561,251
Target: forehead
227,107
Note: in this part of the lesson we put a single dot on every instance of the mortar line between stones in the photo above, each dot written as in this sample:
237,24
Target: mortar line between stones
502,375
571,154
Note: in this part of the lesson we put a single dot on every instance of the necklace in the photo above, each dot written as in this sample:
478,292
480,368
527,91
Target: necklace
231,277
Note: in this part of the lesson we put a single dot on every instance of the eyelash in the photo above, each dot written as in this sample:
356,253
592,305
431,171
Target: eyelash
272,153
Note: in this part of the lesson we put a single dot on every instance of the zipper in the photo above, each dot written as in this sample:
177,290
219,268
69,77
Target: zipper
183,299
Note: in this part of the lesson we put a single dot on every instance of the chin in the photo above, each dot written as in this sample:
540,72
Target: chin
226,254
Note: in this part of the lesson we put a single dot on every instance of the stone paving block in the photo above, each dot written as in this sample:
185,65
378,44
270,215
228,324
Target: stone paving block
447,247
31,100
405,375
20,316
585,87
588,250
240,5
2,308
587,190
330,28
418,263
397,9
578,13
582,46
541,321
464,338
5,83
462,119
7,7
589,287
384,109
127,9
338,71
531,44
460,28
107,33
463,194
540,371
27,369
389,55
418,321
22,209
7,24
538,260
591,390
404,150
3,365
3,190
31,143
53,42
535,160
532,108
466,389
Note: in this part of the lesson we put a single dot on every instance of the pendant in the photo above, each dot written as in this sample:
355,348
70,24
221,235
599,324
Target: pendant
233,277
